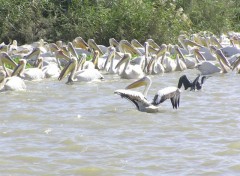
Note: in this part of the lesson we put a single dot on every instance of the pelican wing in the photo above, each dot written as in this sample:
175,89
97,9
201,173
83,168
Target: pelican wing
172,93
183,80
135,97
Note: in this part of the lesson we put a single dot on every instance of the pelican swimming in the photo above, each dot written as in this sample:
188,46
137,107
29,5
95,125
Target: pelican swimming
154,66
126,47
100,48
30,74
193,85
208,67
236,65
13,83
140,100
129,71
6,59
85,75
111,56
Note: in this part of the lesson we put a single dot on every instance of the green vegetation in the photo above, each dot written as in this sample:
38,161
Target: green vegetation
162,20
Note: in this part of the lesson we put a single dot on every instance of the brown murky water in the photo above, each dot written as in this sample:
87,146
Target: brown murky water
84,129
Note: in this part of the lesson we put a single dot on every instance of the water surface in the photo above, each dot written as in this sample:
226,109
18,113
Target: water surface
84,129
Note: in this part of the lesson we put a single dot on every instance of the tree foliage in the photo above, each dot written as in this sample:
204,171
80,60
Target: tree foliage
163,20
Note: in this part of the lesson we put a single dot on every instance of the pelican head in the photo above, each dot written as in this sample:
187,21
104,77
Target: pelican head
39,63
95,58
127,47
176,47
153,43
59,43
151,62
162,50
78,42
34,54
113,42
136,43
141,82
111,55
53,47
236,63
82,60
145,81
20,67
126,57
70,67
5,58
60,54
198,55
92,44
72,50
222,58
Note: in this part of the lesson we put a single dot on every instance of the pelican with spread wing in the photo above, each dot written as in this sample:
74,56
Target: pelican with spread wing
140,100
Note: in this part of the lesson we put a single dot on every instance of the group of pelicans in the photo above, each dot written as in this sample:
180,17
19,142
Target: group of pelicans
87,61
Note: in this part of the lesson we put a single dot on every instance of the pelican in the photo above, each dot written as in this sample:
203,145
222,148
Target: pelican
153,43
84,63
126,47
236,65
208,67
31,74
13,83
168,63
154,66
111,56
4,47
78,42
189,61
113,42
129,71
180,64
100,48
6,59
140,100
195,85
85,75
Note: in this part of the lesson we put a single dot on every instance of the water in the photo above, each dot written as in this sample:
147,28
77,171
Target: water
84,129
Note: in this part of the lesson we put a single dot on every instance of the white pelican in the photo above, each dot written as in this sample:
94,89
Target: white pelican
13,83
84,63
6,59
126,47
208,67
153,43
85,75
78,42
30,74
51,70
180,64
129,71
193,85
188,60
136,43
140,100
4,47
144,59
154,66
113,42
187,44
236,65
168,63
111,56
100,48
